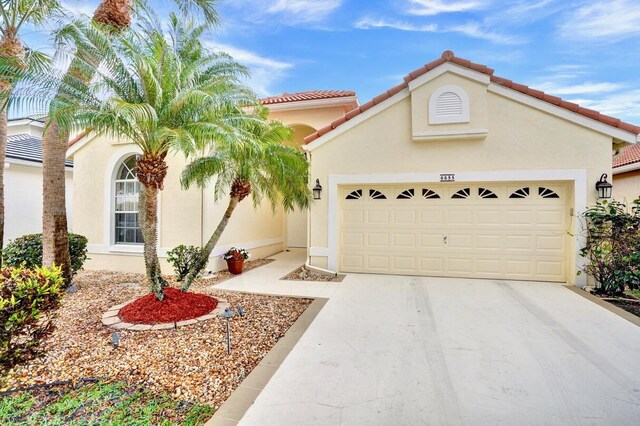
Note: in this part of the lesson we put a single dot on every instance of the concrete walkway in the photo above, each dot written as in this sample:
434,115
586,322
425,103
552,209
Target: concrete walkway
390,350
266,279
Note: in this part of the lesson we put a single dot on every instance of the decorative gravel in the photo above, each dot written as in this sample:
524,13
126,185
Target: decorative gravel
190,363
304,274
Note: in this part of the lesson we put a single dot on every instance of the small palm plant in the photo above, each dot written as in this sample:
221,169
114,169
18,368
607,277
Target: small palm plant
256,164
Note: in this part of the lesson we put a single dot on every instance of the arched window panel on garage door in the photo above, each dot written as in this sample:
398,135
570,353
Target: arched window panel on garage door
486,193
463,193
429,194
547,193
377,195
520,193
354,195
407,194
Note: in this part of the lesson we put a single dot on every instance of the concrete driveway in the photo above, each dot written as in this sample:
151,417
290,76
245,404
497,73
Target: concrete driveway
389,350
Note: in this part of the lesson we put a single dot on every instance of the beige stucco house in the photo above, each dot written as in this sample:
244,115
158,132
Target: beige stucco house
454,172
626,174
23,179
457,172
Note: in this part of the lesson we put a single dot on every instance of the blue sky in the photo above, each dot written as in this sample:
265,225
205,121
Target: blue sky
585,51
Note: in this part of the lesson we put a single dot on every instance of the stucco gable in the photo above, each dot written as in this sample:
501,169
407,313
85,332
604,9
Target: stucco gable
449,103
594,120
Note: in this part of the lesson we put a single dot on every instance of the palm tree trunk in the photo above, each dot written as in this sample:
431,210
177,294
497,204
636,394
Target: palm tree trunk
203,256
12,50
55,237
148,217
3,155
55,241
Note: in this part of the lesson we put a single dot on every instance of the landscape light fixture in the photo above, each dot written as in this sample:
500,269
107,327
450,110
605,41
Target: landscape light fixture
317,190
228,314
603,187
240,310
115,339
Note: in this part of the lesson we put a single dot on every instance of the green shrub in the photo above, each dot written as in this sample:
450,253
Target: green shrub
27,298
612,246
182,258
27,251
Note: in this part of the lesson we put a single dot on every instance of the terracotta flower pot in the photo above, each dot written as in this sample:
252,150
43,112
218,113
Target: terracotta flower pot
235,266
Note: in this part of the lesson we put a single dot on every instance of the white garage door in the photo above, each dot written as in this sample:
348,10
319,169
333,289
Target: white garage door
481,230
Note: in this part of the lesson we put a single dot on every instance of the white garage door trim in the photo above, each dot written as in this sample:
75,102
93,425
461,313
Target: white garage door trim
577,176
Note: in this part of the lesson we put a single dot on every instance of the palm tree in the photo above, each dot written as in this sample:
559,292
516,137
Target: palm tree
13,15
165,92
114,16
257,164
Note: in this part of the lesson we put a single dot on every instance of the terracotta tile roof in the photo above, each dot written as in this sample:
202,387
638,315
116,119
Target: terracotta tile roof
448,56
629,155
76,138
311,95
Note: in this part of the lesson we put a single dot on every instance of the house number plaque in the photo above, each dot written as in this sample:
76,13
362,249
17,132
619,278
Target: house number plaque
447,177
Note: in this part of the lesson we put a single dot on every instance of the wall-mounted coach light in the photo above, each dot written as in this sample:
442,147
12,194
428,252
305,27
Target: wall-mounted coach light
603,187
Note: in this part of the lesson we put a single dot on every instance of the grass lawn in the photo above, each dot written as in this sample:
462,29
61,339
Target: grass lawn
98,403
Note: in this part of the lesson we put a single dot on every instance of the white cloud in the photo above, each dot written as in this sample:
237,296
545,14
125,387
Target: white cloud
367,23
288,12
472,29
611,98
475,30
623,105
436,7
523,12
607,21
264,71
79,8
566,68
586,88
305,10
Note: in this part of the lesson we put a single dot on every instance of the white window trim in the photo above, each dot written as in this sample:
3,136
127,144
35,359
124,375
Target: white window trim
113,166
577,176
443,119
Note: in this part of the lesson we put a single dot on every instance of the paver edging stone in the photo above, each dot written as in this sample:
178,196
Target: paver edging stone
235,407
608,306
111,319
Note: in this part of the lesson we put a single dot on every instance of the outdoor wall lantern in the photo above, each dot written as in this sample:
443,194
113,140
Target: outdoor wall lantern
317,190
603,187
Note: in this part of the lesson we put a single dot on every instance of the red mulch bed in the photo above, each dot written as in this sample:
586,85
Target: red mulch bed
176,306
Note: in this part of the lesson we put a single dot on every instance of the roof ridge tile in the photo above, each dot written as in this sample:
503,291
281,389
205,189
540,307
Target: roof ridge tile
307,95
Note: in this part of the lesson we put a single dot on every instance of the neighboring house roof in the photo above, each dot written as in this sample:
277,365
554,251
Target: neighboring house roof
311,95
629,155
448,56
27,147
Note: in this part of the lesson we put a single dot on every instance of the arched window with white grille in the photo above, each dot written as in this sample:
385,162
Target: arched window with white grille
449,104
127,192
